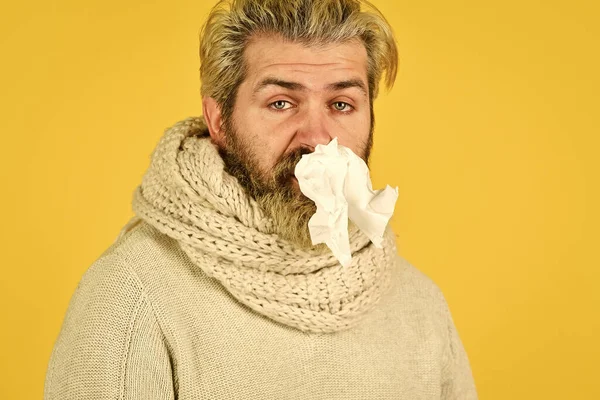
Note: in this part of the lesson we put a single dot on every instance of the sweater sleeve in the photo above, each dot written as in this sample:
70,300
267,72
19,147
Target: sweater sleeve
110,345
458,382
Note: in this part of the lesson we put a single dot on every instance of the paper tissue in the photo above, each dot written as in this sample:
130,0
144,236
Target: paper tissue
338,181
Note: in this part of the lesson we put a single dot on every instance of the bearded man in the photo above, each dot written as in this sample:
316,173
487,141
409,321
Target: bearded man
214,290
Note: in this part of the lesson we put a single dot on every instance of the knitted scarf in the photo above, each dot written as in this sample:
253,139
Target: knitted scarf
187,195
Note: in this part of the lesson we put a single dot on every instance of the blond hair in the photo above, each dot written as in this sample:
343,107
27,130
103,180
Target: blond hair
232,23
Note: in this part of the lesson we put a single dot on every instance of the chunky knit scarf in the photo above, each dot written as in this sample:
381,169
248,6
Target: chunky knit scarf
187,195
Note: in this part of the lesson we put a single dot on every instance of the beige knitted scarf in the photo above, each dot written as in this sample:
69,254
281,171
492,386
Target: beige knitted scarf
187,195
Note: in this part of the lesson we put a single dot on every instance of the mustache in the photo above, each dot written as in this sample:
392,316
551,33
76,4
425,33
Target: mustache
284,169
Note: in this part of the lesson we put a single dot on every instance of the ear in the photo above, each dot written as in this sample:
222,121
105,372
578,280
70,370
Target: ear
214,121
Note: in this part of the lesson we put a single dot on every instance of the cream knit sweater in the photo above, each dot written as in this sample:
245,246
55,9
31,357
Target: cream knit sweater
149,321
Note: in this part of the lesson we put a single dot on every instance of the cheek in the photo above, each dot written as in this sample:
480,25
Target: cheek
265,140
274,137
354,134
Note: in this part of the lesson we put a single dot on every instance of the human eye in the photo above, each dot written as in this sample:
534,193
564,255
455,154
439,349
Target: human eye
280,105
342,106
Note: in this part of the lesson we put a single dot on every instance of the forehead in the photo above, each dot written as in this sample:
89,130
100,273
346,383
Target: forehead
314,65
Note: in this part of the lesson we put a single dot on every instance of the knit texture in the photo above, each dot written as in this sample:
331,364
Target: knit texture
187,195
149,321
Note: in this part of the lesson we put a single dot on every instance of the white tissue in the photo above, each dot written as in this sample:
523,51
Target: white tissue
338,181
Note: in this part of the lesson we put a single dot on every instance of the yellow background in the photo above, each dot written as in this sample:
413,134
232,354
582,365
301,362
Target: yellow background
491,134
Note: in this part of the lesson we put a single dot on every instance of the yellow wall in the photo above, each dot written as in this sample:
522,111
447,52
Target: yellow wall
491,133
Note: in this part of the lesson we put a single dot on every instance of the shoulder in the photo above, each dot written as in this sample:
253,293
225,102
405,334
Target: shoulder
415,282
419,295
175,287
138,242
108,280
111,293
108,296
156,260
429,304
109,333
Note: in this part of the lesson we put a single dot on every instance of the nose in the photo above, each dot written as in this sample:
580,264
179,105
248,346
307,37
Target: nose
314,129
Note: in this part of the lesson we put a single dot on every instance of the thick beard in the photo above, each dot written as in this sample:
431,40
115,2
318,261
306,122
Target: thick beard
289,209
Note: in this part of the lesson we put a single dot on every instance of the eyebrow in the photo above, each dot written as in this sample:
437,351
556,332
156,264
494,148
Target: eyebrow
350,83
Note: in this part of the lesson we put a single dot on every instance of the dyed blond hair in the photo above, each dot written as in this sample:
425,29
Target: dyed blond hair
232,23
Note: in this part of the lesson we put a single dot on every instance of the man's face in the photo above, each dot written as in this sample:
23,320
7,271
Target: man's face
293,98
